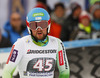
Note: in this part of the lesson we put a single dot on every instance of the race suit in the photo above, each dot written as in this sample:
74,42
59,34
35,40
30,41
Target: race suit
35,61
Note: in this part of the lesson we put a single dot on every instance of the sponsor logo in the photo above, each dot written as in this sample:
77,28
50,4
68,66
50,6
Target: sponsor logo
25,73
64,53
61,60
27,41
28,50
38,18
10,54
14,55
38,14
40,51
32,74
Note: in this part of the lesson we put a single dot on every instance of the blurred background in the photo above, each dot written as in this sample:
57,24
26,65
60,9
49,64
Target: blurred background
75,22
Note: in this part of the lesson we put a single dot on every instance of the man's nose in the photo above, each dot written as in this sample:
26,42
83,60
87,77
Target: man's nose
38,28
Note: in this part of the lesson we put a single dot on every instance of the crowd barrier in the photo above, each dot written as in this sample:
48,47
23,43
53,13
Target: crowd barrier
83,56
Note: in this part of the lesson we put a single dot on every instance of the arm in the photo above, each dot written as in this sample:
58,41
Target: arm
62,61
13,60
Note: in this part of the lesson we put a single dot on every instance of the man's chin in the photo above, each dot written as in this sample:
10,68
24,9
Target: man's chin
40,37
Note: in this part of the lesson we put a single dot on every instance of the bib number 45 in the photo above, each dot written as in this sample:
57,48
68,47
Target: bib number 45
39,65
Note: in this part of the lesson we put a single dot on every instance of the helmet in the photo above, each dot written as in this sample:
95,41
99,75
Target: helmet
37,14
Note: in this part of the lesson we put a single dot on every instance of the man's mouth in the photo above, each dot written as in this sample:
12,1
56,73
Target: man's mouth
39,33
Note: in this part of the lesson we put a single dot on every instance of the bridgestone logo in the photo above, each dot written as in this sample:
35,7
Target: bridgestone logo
41,51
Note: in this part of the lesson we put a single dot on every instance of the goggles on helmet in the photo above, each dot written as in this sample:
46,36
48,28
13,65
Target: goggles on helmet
38,24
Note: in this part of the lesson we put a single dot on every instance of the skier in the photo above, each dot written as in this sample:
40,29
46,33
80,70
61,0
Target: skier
36,54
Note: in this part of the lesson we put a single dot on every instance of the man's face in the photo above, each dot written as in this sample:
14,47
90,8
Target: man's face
97,14
40,34
16,21
59,12
77,12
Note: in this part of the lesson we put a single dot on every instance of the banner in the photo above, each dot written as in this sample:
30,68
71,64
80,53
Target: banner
81,43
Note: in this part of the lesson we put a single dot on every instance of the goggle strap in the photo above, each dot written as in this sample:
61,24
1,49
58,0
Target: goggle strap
27,23
49,21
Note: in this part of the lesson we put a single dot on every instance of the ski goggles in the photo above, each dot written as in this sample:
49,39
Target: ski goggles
38,24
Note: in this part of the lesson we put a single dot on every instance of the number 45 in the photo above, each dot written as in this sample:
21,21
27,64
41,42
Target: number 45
40,67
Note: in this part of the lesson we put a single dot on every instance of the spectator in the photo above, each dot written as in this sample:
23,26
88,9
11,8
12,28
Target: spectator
92,2
59,14
57,18
4,42
96,11
43,4
71,23
84,28
96,20
14,28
